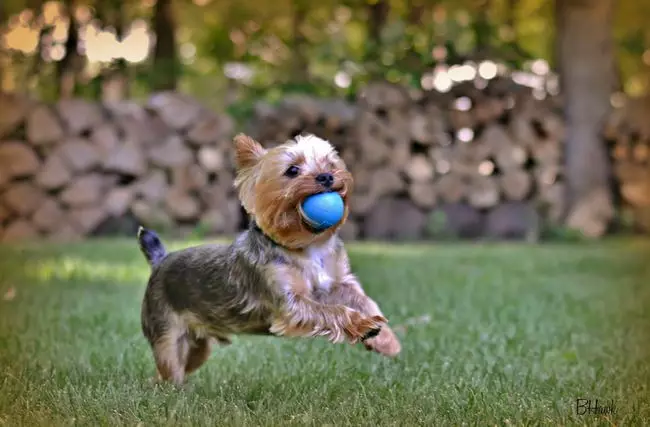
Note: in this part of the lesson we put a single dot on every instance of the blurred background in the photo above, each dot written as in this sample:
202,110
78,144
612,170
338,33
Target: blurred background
474,119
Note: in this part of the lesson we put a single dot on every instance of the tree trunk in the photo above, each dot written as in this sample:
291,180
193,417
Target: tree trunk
115,79
585,54
300,72
481,26
165,62
377,18
68,67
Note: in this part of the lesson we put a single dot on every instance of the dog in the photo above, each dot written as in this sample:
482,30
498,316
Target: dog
279,277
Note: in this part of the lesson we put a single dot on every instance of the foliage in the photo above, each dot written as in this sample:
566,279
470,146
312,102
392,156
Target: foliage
326,47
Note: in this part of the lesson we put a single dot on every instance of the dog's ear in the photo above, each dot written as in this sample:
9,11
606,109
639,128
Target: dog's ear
247,151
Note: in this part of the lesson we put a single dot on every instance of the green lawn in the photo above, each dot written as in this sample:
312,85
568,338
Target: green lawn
492,334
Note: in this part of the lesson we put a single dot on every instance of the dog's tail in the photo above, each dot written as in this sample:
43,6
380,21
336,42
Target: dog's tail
151,246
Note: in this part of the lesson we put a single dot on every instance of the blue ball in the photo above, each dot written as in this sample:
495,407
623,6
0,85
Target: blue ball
323,210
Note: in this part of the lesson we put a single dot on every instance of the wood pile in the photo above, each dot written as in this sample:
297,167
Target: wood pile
77,168
628,134
469,163
459,156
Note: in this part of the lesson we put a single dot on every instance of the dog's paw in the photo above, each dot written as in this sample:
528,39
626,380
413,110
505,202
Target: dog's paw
385,342
362,327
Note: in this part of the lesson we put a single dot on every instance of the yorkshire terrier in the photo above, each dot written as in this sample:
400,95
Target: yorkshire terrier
279,277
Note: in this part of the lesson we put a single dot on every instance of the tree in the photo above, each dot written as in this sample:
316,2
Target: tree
165,59
585,57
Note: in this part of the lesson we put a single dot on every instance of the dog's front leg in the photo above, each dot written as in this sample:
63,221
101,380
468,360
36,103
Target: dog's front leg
348,291
300,315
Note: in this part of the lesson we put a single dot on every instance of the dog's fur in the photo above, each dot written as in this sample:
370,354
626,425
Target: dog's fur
279,277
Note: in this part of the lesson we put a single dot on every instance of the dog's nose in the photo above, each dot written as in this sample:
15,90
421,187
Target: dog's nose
325,179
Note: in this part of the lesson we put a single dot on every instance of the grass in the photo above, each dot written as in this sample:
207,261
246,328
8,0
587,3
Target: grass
505,334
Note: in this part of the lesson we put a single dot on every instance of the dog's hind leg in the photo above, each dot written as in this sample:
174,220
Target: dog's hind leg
171,351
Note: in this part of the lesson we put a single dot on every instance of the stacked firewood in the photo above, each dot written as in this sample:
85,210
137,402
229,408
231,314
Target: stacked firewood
628,132
77,168
488,161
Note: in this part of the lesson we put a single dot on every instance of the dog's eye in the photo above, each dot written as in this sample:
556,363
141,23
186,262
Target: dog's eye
292,171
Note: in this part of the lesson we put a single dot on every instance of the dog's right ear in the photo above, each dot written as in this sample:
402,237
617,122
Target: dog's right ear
247,151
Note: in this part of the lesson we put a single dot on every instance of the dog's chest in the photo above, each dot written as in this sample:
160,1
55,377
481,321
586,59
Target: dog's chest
320,269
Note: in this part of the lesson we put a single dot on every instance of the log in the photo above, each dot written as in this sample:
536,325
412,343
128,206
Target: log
210,129
640,153
552,201
119,200
181,205
18,160
385,182
451,188
19,230
87,218
516,184
79,155
15,109
374,148
547,152
591,215
483,192
521,131
171,153
78,115
213,197
153,187
151,215
189,177
423,194
43,127
49,216
4,179
126,159
85,190
419,169
105,139
5,214
400,156
637,193
176,110
509,156
363,203
23,198
488,109
461,120
144,130
54,174
546,175
211,159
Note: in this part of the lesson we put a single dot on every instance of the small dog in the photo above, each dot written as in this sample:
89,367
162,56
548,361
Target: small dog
279,277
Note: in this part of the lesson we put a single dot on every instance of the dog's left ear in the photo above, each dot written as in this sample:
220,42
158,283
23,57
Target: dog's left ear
247,151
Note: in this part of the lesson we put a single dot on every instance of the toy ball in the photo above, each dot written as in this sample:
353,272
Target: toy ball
322,210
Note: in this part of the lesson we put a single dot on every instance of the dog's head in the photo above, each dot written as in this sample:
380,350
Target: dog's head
272,183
